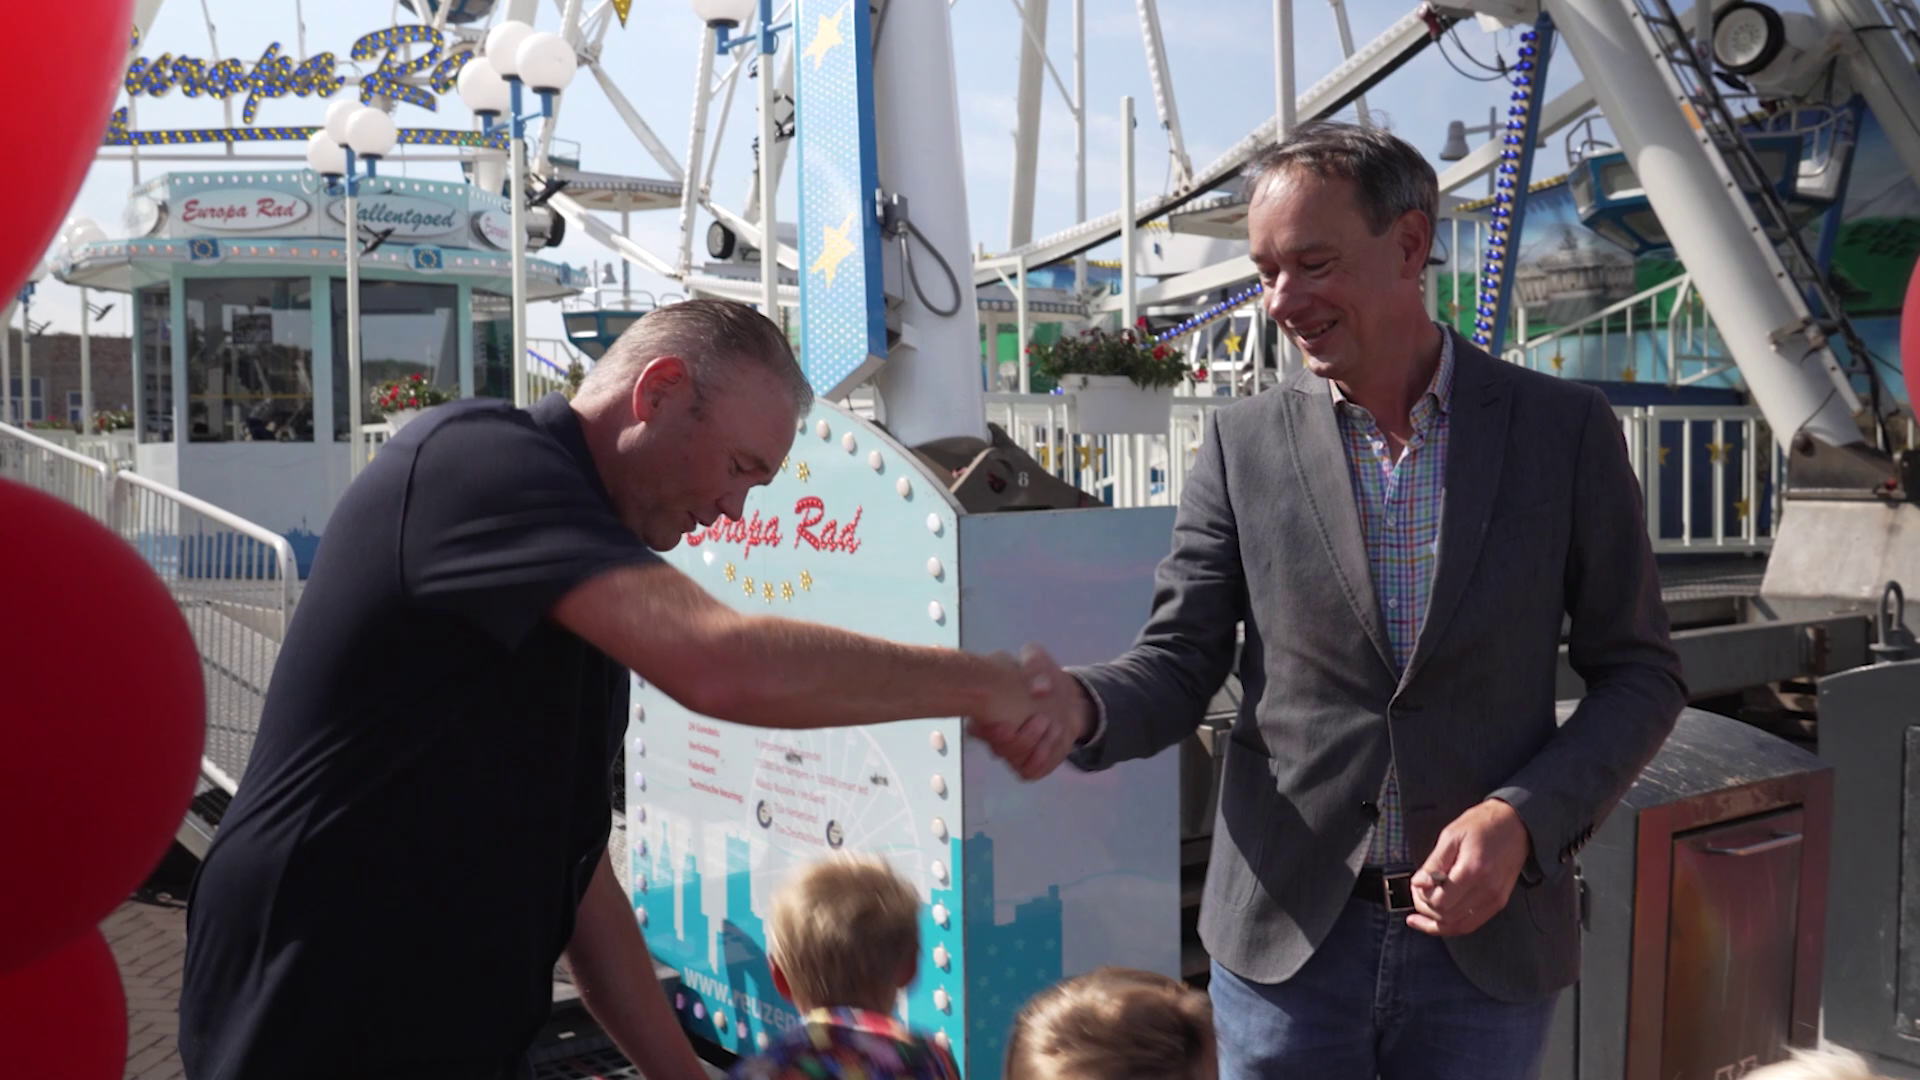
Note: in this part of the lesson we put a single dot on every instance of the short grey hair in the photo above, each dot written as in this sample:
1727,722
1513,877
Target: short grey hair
718,339
1388,175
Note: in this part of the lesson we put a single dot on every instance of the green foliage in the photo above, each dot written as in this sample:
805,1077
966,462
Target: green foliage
1098,351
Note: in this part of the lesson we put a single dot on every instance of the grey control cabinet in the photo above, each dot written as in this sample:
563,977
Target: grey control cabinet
1703,910
1870,732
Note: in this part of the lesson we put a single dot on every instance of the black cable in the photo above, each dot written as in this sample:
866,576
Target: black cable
913,276
1454,33
1441,44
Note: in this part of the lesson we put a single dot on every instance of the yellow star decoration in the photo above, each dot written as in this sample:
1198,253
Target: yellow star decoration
803,472
825,37
1232,343
834,247
747,587
1741,508
766,592
730,571
1559,362
1089,454
1663,454
1628,374
806,581
786,591
1717,452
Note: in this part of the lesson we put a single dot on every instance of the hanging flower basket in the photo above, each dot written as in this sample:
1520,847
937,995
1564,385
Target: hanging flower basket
1120,383
400,400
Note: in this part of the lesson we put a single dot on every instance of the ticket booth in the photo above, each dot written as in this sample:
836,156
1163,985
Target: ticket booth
237,284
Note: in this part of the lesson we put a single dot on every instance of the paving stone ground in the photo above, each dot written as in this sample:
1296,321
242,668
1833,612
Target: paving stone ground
150,942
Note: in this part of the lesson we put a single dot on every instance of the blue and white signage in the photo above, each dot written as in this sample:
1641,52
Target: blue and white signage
843,327
406,215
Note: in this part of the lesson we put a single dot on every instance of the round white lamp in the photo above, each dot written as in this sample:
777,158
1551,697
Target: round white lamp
503,42
728,13
371,134
83,231
482,88
545,61
337,114
324,156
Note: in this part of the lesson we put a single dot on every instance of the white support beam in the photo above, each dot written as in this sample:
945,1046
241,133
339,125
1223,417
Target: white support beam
637,125
602,233
746,292
1026,127
1570,105
1161,75
1192,283
750,232
1379,58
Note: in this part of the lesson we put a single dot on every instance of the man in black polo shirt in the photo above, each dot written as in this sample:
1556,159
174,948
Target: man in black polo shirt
422,831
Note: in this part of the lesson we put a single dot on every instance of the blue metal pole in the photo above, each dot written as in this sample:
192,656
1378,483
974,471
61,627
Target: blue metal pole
1510,187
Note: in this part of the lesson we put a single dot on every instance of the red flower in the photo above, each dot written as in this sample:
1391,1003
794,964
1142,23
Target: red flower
419,378
1141,322
1199,373
1159,352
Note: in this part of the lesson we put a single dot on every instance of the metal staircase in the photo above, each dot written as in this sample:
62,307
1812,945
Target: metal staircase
1777,237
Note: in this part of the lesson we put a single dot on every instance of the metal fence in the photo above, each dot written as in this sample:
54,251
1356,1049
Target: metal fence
235,582
1709,474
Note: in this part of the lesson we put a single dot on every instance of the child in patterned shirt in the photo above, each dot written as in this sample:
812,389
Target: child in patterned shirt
1114,1024
843,940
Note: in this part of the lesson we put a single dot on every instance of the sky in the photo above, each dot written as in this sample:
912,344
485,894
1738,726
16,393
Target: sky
1220,53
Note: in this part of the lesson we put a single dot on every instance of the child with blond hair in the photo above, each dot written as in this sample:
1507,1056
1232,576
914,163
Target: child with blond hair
843,940
1114,1024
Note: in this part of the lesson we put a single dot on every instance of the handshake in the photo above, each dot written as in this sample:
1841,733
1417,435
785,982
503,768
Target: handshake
1037,712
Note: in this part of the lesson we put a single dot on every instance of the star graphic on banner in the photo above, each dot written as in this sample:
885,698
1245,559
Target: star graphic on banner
1663,454
834,246
1742,508
1718,452
1232,343
826,36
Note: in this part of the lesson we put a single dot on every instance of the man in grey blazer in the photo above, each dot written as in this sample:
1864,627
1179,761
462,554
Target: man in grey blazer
1401,528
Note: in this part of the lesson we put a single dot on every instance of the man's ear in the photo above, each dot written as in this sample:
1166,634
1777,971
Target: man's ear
1415,240
660,380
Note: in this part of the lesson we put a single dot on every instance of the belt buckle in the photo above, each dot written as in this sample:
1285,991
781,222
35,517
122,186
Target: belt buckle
1400,885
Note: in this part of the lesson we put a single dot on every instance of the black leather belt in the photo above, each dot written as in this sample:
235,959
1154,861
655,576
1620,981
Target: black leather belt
1392,891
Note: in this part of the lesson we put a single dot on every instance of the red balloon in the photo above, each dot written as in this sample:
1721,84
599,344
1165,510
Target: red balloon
66,1015
67,81
101,733
1910,333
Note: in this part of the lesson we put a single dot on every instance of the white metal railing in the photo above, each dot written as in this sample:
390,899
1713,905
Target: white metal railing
235,582
1662,334
28,459
1709,474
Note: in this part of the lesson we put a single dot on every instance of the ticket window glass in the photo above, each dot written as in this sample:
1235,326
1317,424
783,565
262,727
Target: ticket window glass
250,360
153,358
492,345
406,329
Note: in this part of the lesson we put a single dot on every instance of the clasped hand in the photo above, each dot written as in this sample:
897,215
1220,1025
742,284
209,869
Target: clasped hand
1037,714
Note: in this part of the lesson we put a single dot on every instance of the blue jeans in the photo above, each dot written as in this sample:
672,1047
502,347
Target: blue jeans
1377,1000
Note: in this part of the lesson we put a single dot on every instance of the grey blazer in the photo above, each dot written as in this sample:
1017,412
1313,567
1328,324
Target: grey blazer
1541,518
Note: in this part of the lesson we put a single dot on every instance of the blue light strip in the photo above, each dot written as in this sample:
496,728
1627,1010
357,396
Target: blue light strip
1510,187
1200,319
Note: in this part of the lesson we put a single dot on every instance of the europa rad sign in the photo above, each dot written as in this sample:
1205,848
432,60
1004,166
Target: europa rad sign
407,216
241,210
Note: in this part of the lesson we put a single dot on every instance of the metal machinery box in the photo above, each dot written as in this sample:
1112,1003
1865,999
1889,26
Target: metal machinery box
1870,731
1703,910
1023,883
